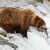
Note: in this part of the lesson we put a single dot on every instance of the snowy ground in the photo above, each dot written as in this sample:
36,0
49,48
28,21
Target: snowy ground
36,40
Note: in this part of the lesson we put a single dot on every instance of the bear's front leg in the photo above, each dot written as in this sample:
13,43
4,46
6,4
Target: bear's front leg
24,32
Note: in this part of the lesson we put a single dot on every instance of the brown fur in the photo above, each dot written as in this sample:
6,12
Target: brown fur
12,19
18,19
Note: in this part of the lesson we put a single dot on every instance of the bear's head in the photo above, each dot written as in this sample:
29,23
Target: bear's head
39,23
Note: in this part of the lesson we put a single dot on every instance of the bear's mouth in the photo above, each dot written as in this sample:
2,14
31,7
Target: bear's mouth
45,30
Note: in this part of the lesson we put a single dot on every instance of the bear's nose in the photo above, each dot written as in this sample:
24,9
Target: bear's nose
45,28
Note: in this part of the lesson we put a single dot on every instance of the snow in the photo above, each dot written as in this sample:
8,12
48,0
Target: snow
36,40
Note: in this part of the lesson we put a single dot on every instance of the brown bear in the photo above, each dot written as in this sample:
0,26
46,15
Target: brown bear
19,19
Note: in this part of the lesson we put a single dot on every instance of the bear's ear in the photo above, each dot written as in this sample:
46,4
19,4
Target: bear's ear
38,18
